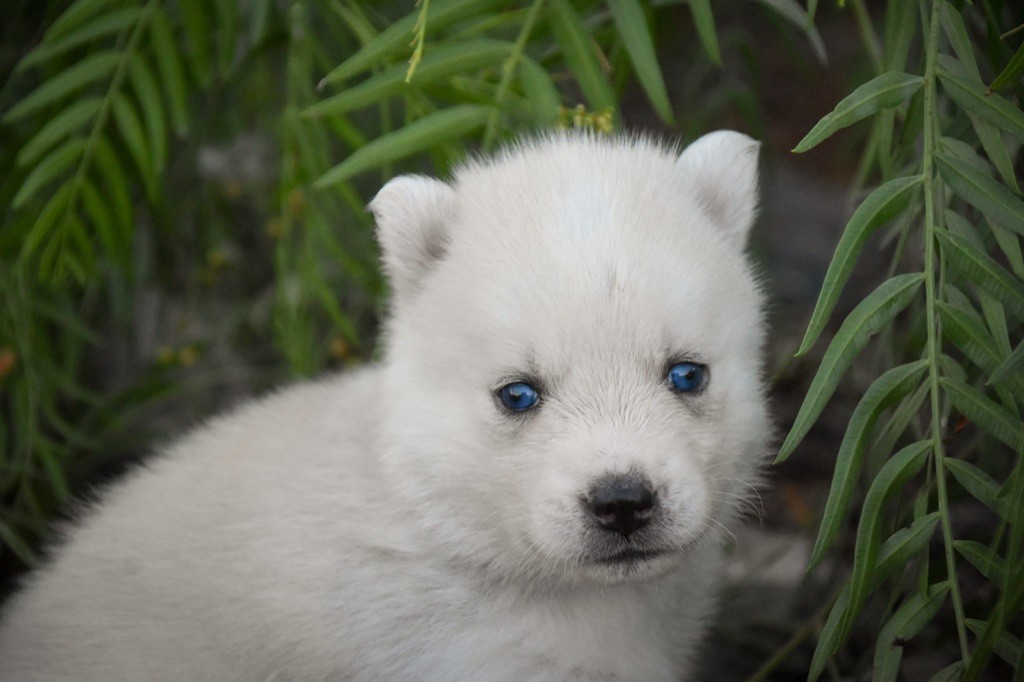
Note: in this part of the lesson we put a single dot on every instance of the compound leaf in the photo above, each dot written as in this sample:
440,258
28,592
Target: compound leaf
881,206
75,77
873,313
893,475
886,390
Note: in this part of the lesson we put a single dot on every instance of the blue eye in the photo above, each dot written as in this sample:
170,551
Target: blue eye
518,396
686,377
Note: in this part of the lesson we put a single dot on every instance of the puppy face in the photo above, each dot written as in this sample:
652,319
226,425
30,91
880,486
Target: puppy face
573,372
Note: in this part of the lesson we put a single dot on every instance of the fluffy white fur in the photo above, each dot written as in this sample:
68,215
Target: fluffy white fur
398,522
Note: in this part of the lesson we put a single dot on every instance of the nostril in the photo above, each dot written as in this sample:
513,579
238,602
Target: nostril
622,503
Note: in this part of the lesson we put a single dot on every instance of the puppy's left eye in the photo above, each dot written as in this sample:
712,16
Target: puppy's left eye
518,396
687,377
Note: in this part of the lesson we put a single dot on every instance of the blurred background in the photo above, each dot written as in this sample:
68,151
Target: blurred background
183,182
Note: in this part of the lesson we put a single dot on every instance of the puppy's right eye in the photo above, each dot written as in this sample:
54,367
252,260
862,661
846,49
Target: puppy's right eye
518,396
687,377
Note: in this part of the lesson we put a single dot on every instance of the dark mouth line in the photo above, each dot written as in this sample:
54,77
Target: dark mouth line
630,556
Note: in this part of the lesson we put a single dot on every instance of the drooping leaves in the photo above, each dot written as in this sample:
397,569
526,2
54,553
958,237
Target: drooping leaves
887,90
888,389
875,311
877,209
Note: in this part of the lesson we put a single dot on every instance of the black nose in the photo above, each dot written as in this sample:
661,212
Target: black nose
621,503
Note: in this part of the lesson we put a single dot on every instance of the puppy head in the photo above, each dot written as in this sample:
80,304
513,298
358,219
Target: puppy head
573,382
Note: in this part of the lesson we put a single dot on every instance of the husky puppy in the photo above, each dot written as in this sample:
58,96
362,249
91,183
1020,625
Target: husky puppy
533,484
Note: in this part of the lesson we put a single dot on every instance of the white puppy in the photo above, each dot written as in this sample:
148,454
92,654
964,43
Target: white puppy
532,485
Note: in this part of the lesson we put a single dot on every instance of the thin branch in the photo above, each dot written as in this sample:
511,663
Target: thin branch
933,200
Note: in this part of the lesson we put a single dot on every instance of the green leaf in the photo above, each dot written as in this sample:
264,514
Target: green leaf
117,195
1008,647
902,545
103,223
992,142
831,636
956,30
632,24
877,209
60,126
995,318
899,30
82,247
964,228
197,33
55,472
795,14
954,672
1010,72
49,169
105,25
77,13
704,20
81,74
982,558
1010,246
966,154
540,92
886,390
131,132
396,37
422,134
1010,365
148,96
17,545
908,620
898,420
257,28
987,415
990,135
900,468
578,48
168,63
226,30
439,63
991,108
46,223
887,90
892,555
976,266
982,192
873,313
979,484
971,337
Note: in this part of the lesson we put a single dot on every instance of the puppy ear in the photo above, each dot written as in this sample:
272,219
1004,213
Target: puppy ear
412,213
723,169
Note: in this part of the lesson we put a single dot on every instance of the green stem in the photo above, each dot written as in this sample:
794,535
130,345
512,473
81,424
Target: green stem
419,41
932,190
868,35
507,71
